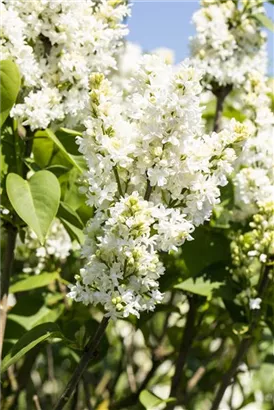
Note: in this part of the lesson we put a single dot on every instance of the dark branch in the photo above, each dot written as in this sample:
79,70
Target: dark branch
221,93
244,345
90,352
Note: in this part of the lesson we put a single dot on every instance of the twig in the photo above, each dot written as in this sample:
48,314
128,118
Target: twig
63,290
86,391
129,368
74,401
132,398
101,386
156,361
196,378
202,369
36,402
5,278
243,346
90,352
12,379
118,181
148,191
221,93
186,342
50,362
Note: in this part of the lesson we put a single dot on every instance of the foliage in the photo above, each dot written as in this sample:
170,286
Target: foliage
94,181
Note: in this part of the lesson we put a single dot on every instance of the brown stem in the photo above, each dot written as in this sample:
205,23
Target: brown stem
186,342
192,383
50,362
156,361
5,278
133,397
243,346
75,397
221,93
36,402
148,191
90,352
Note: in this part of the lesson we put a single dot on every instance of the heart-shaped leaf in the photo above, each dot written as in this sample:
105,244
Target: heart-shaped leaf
9,87
36,201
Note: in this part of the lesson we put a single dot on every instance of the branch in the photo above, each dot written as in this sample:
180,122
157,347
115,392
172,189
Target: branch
186,342
156,361
221,93
120,190
192,383
148,191
243,346
86,391
133,397
36,402
90,352
5,278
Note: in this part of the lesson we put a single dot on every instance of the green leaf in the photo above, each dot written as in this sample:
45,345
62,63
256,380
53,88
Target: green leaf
29,341
8,150
71,222
9,87
33,282
35,314
73,231
61,147
85,212
36,201
208,247
240,328
71,132
265,21
231,112
67,213
58,170
150,400
199,286
42,150
209,109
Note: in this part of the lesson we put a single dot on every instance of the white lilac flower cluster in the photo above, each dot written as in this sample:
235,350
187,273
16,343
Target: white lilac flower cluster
37,257
252,250
56,45
254,171
128,58
229,42
153,176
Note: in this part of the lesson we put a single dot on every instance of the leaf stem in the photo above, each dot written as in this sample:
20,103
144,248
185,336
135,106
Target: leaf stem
90,352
